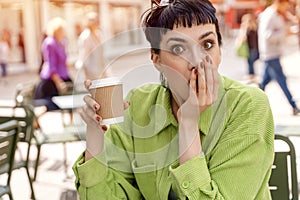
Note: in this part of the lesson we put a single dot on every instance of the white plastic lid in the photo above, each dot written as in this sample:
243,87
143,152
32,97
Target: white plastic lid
112,120
105,82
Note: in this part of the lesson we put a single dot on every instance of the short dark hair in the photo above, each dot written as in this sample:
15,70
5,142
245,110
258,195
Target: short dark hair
176,13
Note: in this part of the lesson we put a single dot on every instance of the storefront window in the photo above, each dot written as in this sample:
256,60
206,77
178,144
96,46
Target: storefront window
11,25
125,20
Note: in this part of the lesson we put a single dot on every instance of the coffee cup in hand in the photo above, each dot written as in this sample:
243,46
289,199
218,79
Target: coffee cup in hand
108,92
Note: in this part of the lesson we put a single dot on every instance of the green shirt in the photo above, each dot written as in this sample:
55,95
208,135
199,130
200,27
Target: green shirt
140,160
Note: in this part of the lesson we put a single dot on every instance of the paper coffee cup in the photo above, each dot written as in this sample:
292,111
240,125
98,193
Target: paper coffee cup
108,92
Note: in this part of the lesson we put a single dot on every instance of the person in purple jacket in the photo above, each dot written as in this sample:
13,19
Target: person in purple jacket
54,72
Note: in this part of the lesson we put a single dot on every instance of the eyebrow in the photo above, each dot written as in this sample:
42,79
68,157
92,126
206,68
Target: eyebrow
184,41
206,35
176,39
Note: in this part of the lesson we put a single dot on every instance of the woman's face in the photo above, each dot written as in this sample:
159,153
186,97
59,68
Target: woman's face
183,49
59,34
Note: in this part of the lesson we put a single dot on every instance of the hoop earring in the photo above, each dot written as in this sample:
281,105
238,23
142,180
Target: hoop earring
163,80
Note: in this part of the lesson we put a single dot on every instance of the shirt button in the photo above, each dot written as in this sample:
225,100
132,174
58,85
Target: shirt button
185,184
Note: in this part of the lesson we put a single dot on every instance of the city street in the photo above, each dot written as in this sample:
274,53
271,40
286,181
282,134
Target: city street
135,69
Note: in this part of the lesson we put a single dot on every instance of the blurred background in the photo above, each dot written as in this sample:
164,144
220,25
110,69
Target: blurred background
24,23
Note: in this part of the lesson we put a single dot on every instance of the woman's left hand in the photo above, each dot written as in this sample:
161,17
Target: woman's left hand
204,85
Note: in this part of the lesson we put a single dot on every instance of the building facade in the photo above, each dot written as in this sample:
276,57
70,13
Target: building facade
26,19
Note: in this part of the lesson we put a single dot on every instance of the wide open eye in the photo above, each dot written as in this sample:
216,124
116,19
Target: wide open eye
208,44
177,49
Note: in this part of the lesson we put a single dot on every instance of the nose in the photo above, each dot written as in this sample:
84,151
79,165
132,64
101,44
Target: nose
197,56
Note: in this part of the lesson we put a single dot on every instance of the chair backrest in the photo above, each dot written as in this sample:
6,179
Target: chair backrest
25,134
25,116
8,143
283,182
27,123
24,96
25,93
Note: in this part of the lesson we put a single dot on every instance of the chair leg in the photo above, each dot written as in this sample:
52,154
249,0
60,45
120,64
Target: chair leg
37,161
65,159
31,184
10,195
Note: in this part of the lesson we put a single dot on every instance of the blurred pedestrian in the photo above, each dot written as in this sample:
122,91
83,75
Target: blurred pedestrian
54,72
4,51
90,51
271,34
298,18
21,46
248,33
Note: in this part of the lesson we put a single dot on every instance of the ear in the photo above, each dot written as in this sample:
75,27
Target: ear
156,60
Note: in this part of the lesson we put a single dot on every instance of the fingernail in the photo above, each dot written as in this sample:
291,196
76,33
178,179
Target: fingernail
104,128
98,118
207,59
202,65
88,82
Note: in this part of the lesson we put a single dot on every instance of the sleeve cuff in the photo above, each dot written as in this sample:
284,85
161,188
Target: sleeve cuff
190,176
82,170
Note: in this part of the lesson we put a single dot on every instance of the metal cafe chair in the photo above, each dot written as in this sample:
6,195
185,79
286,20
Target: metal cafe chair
32,136
24,98
283,182
8,142
25,118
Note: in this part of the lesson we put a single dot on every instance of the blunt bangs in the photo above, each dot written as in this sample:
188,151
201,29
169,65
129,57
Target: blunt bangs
186,13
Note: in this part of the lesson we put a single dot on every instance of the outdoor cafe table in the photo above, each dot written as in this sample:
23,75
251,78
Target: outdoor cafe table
69,102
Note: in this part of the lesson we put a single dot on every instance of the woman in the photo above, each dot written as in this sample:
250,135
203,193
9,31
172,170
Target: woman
200,136
54,72
248,32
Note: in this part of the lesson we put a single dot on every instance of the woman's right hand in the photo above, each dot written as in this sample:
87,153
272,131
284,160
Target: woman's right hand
95,131
59,83
88,112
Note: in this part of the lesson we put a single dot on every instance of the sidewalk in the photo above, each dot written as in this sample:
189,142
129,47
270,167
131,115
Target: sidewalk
51,183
